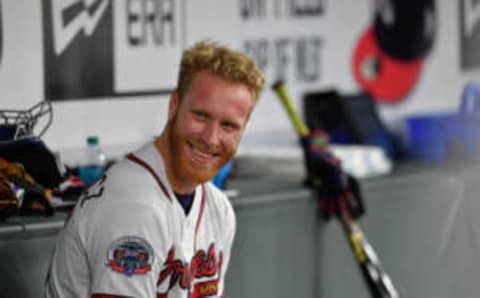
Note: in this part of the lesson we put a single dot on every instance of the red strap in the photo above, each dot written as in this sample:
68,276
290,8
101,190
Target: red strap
200,215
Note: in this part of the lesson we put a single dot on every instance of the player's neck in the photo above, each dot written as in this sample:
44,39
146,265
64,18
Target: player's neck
178,185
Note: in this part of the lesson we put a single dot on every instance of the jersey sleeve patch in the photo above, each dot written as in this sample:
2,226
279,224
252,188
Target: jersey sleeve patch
130,255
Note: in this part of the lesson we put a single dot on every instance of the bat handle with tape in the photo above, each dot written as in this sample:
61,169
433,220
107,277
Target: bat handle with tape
300,127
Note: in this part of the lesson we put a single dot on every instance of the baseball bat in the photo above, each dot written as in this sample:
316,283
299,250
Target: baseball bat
378,281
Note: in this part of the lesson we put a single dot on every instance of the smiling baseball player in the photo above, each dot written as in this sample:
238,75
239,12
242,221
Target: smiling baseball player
153,226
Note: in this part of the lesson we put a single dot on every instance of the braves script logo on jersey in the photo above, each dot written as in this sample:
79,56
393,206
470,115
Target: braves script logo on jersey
203,265
130,255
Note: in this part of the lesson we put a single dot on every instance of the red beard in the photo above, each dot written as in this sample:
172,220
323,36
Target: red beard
184,168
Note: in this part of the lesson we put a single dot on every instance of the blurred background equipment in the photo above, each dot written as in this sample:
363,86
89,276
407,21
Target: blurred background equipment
21,141
31,197
384,77
29,167
339,194
405,29
21,124
8,199
221,179
348,119
389,55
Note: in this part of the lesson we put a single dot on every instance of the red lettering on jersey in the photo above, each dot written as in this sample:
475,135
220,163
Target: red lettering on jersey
203,265
205,289
176,269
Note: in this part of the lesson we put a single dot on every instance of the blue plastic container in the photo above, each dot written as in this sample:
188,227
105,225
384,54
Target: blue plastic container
437,137
472,137
426,137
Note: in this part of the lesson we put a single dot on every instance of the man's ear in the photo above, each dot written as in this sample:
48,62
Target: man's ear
173,104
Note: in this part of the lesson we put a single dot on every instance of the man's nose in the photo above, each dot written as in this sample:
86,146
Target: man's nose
211,134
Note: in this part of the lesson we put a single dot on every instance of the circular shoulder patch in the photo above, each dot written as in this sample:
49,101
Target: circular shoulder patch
130,255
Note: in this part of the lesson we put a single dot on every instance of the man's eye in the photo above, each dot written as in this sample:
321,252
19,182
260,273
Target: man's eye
230,126
200,115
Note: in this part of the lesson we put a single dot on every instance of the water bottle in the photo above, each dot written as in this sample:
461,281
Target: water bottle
94,162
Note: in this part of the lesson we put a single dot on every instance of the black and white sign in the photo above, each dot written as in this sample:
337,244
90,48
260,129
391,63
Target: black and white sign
105,48
294,54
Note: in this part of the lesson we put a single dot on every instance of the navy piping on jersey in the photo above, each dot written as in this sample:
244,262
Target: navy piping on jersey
147,167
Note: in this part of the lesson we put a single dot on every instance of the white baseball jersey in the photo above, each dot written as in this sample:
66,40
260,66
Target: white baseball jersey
129,237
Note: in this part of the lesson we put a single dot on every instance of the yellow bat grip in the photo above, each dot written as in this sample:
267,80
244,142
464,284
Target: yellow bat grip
300,127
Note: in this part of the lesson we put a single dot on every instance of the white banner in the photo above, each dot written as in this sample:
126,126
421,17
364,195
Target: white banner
148,42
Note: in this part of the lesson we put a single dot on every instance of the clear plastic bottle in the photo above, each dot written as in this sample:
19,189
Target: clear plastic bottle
94,162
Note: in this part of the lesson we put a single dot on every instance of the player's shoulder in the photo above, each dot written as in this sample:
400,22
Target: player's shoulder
127,178
127,172
130,181
215,193
124,194
140,163
218,200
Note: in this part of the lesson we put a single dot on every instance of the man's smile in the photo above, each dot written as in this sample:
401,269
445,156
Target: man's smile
198,155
